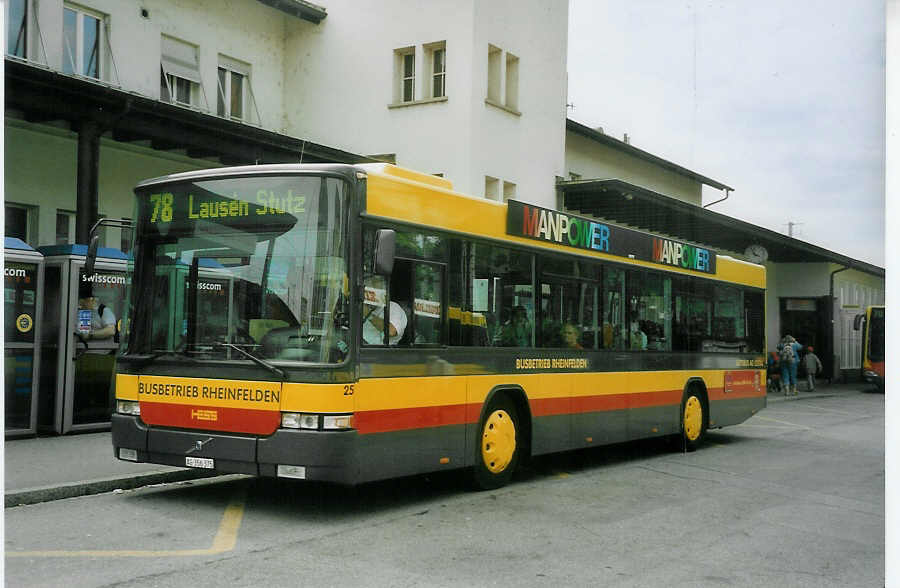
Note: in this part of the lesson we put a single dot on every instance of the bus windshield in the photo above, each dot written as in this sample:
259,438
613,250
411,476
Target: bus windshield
238,268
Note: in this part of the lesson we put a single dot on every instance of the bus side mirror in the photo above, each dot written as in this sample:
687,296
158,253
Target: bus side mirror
858,321
91,258
385,245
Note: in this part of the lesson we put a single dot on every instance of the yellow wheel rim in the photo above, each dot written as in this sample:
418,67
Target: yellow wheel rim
693,418
498,441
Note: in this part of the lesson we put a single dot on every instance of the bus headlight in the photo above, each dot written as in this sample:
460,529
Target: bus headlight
331,422
299,420
128,407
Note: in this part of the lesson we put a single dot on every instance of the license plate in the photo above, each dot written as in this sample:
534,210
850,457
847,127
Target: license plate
199,462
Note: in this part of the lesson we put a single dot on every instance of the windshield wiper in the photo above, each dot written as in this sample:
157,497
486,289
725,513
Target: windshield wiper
257,360
178,352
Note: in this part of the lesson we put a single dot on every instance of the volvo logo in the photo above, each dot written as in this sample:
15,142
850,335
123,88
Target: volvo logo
198,445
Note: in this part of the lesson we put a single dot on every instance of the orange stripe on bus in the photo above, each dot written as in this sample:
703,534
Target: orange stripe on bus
401,419
382,421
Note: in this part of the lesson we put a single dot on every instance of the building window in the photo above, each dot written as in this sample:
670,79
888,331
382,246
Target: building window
503,79
436,59
405,74
233,89
509,191
179,73
82,40
493,89
16,32
20,221
491,188
65,227
512,82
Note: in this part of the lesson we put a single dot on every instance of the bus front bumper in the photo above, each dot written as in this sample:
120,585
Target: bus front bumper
310,455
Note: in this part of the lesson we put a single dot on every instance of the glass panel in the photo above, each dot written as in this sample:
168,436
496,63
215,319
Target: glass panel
237,95
50,328
19,293
568,315
409,61
19,367
427,318
407,90
223,82
15,28
62,228
614,330
183,90
503,295
650,323
755,319
16,223
876,335
91,46
101,300
692,315
728,323
420,245
92,395
438,89
438,69
255,263
70,41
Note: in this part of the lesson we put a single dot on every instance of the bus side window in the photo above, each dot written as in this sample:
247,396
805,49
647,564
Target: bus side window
427,320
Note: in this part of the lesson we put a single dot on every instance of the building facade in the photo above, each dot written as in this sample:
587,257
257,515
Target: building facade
101,94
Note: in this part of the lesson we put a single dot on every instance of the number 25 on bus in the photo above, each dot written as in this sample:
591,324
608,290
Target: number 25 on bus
353,323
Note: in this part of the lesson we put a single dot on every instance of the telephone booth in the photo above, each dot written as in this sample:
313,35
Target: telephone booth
23,279
78,358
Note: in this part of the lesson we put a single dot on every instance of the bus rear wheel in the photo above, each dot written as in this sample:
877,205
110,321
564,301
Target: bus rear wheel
497,452
693,419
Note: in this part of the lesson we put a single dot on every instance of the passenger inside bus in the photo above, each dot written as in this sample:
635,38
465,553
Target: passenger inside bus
516,332
638,338
569,334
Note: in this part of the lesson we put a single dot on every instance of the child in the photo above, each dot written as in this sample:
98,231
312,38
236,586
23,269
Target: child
813,366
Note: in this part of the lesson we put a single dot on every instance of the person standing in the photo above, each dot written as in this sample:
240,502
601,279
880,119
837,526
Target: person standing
813,366
95,320
788,356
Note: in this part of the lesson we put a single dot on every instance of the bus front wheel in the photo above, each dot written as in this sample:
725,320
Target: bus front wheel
497,452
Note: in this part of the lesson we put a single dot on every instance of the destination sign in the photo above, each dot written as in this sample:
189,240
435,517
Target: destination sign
551,226
163,207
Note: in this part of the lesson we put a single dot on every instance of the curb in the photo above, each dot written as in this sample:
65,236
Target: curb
98,486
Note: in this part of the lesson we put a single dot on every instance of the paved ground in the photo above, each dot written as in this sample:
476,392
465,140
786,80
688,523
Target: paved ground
793,497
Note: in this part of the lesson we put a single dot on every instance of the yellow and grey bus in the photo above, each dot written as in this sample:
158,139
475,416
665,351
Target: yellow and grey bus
352,323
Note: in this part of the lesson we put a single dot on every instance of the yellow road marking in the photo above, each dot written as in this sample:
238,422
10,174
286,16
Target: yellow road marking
224,541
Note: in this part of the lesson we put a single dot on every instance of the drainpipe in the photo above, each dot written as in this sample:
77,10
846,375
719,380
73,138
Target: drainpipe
834,363
727,192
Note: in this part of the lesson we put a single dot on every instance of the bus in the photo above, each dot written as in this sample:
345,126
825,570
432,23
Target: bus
524,331
871,323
